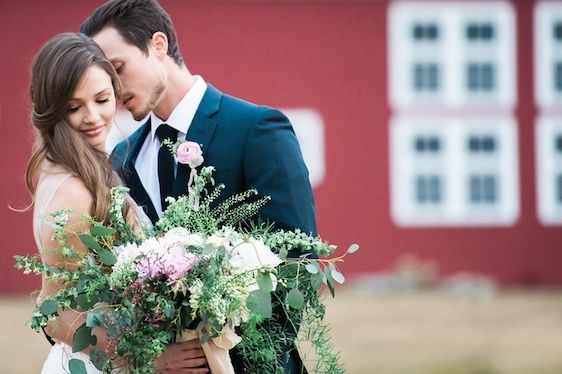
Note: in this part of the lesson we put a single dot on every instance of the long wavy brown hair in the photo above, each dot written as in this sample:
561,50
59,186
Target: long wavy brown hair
56,71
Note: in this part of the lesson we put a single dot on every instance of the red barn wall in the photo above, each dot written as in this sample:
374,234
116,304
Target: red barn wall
329,56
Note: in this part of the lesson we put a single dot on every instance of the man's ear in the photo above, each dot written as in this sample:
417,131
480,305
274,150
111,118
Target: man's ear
159,42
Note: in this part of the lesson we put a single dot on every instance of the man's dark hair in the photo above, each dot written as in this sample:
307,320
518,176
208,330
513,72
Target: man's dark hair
136,21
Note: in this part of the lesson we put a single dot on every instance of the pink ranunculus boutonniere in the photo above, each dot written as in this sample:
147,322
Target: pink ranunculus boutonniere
189,153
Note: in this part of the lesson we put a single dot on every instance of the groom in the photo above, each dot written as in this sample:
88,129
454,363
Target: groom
250,146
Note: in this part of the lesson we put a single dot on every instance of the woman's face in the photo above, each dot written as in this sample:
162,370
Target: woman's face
91,109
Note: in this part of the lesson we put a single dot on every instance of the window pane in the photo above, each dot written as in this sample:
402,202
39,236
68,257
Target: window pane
472,77
479,32
419,145
432,32
421,190
417,32
488,144
425,32
558,31
473,144
472,31
558,76
558,143
489,189
559,188
426,77
487,31
474,189
435,189
487,77
433,77
434,144
418,77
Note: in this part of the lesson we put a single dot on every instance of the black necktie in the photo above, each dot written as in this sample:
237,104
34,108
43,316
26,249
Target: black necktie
166,162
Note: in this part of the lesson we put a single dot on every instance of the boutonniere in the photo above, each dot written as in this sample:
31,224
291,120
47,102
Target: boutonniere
186,152
189,153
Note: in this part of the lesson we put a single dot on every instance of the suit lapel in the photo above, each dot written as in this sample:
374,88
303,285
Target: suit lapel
138,193
201,132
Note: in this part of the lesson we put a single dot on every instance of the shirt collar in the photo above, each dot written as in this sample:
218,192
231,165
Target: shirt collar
183,113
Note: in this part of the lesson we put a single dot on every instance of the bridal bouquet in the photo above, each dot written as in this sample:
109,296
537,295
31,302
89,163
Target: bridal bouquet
203,272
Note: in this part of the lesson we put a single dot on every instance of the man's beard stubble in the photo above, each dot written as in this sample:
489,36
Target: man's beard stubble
152,102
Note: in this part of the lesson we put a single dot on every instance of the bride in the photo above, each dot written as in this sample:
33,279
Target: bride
74,90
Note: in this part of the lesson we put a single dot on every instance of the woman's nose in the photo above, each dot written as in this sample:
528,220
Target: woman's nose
92,114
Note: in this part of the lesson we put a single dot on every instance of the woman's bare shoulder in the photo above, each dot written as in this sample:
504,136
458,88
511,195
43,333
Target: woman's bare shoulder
71,194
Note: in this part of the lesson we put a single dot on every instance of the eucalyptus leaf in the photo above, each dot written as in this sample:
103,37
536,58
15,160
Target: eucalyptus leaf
82,338
204,338
48,307
316,280
352,248
283,254
90,242
200,325
312,268
295,298
169,311
107,257
92,319
264,282
98,230
86,302
260,303
77,366
337,276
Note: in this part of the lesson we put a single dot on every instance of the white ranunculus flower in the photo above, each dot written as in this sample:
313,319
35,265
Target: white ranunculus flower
252,254
183,237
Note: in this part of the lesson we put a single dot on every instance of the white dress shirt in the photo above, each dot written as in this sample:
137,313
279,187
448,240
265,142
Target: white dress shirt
180,119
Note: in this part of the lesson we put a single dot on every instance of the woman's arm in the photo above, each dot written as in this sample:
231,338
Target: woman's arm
73,195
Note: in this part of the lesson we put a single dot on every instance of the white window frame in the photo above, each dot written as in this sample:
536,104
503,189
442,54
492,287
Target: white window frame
547,53
452,52
455,163
548,166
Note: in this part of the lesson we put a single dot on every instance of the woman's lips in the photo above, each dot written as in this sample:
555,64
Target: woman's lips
93,132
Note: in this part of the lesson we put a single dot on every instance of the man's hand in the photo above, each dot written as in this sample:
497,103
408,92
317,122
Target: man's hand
185,358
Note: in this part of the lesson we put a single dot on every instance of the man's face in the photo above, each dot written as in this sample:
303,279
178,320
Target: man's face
142,77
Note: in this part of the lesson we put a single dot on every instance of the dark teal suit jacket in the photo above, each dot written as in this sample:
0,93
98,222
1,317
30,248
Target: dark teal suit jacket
250,146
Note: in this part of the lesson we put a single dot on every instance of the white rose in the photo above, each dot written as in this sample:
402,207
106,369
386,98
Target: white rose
253,254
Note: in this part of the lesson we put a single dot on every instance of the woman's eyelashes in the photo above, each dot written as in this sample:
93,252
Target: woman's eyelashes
74,109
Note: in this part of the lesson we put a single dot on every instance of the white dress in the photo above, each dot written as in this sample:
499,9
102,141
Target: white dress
50,179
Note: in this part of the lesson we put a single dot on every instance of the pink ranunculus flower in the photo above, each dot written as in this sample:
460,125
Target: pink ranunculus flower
189,153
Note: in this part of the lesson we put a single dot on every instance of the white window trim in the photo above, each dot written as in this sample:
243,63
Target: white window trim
452,52
549,211
454,163
546,53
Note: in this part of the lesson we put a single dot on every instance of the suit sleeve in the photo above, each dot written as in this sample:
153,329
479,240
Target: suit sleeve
273,164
